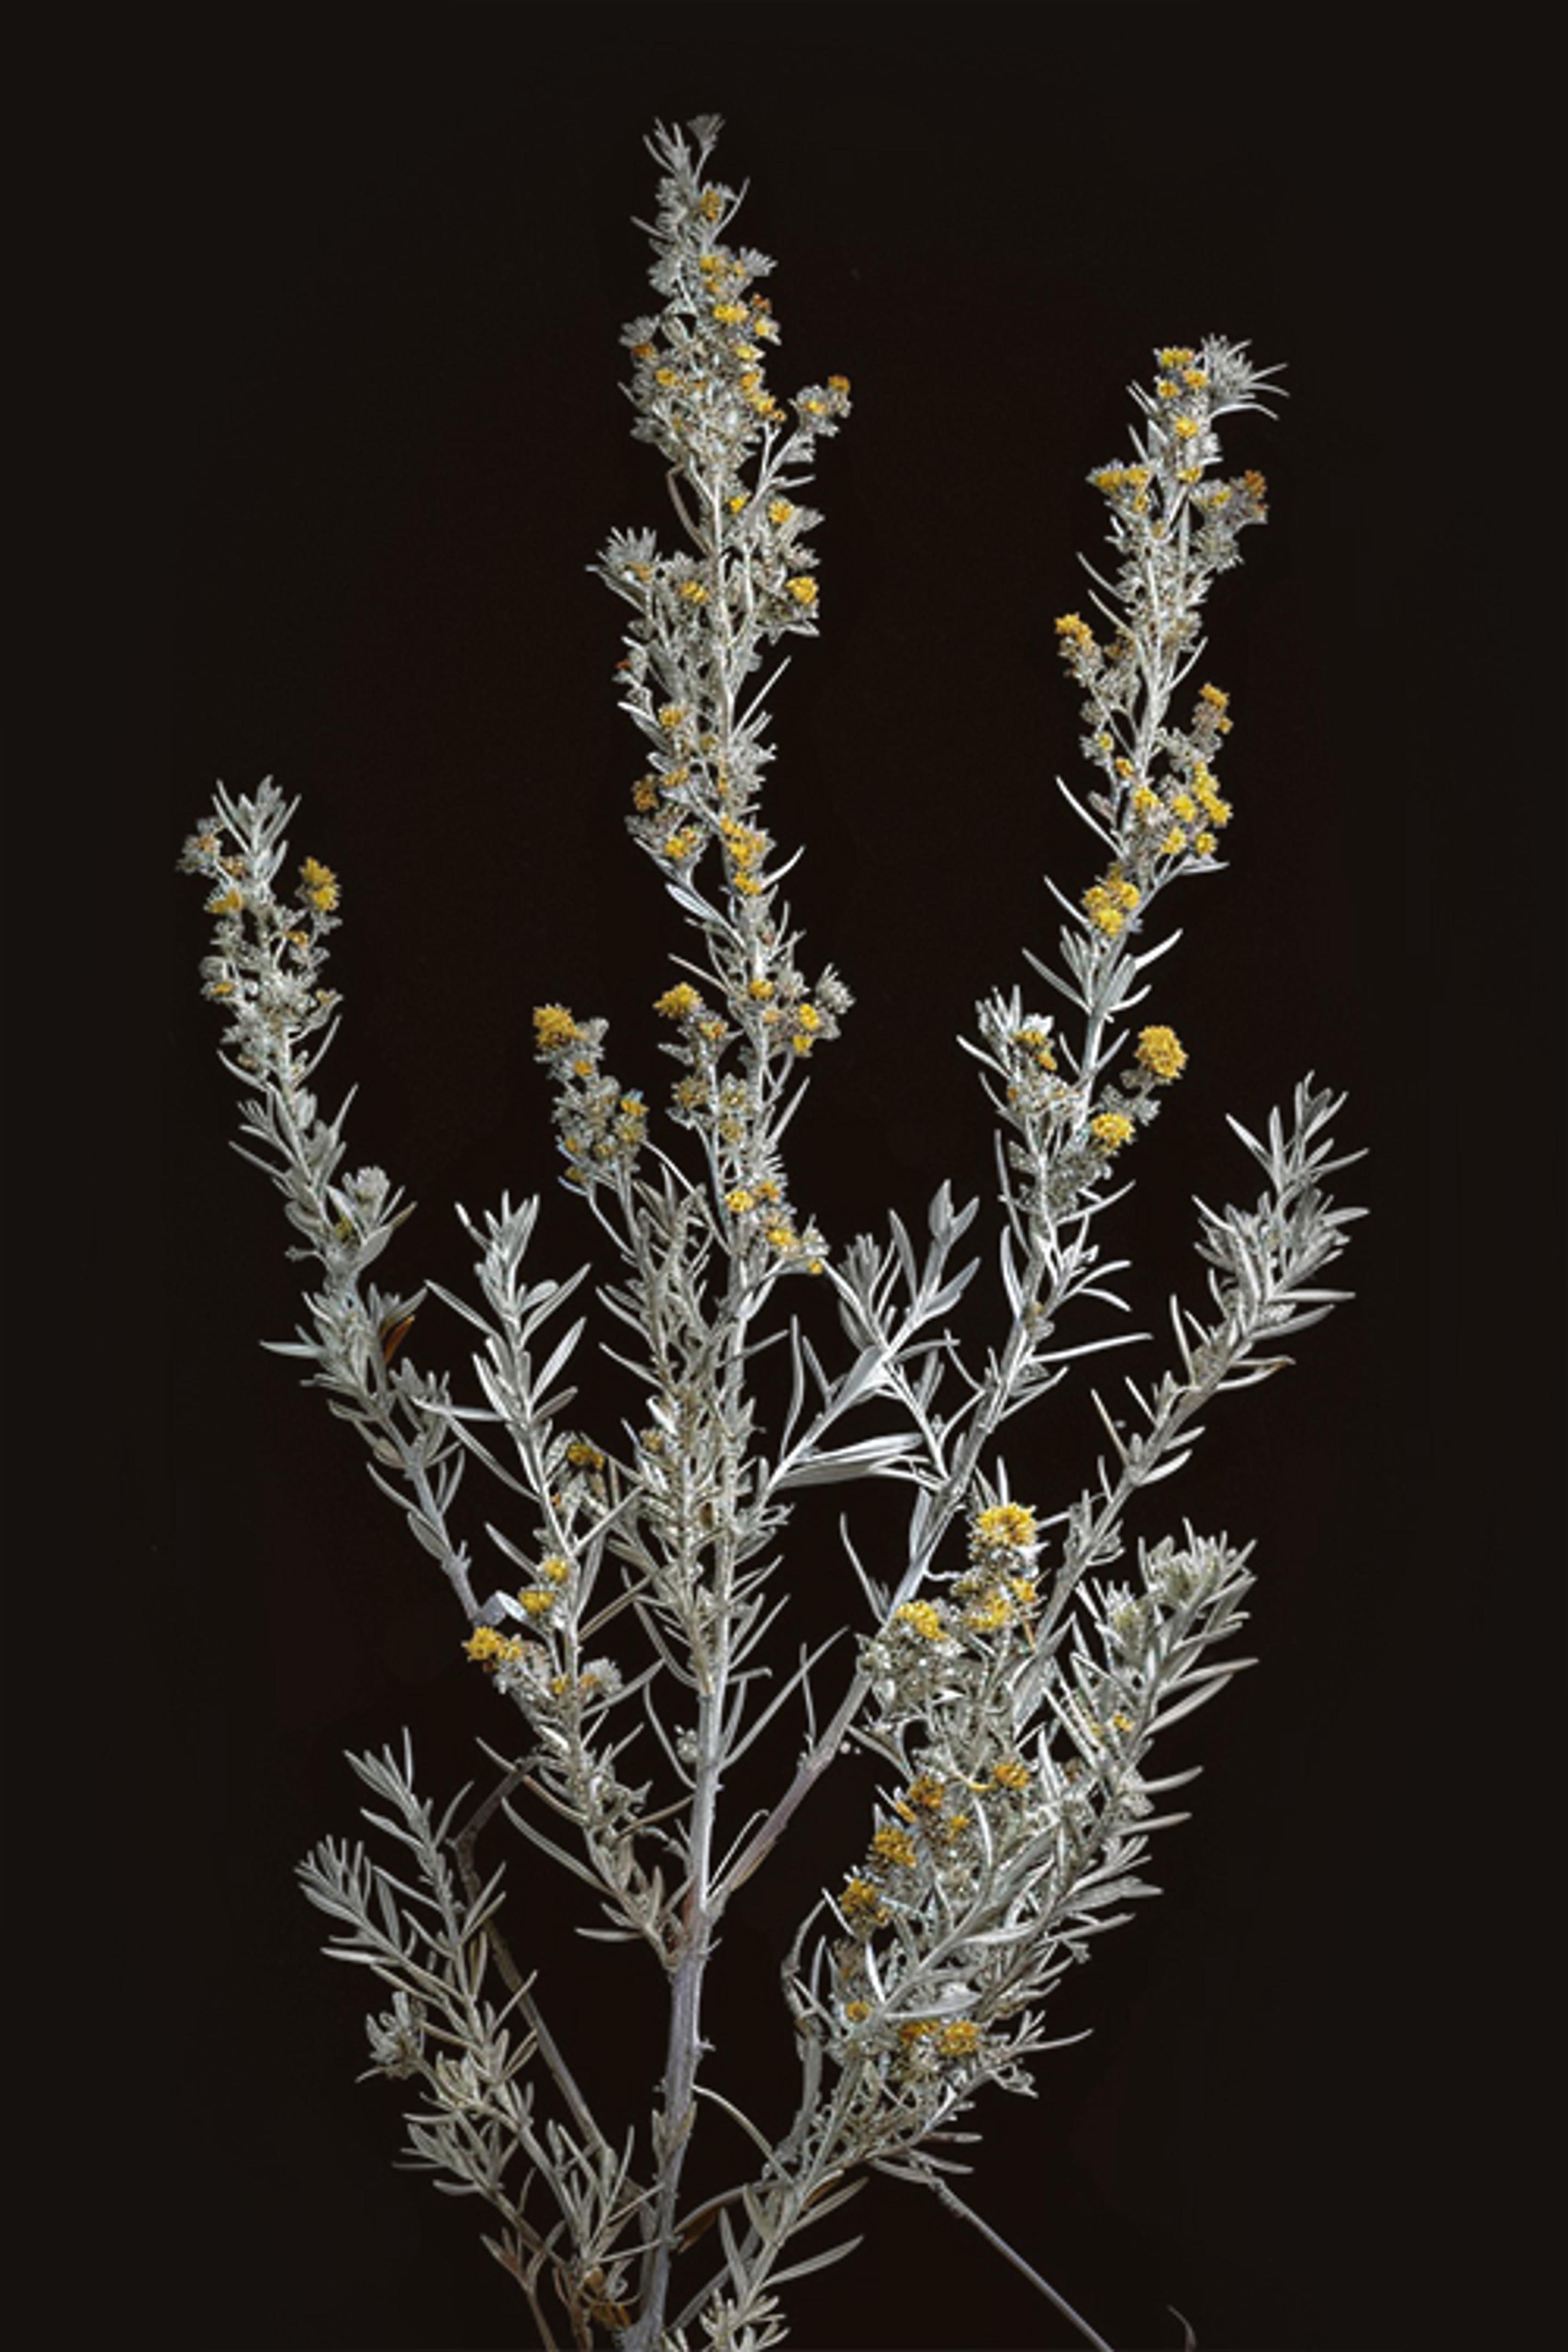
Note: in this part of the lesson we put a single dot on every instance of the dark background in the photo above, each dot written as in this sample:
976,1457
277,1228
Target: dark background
387,256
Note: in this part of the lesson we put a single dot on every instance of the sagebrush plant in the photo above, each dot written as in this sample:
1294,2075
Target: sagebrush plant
1013,1666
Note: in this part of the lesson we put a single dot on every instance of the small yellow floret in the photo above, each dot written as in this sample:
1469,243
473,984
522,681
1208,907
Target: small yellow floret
1005,1526
1102,911
677,1002
895,1846
923,1618
860,1900
320,885
803,589
1160,1050
1110,1131
490,1649
554,1027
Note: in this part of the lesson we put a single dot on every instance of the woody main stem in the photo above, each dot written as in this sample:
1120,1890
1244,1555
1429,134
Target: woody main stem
685,2045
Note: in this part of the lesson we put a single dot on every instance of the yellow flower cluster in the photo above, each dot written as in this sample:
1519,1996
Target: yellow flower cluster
677,1002
1038,1045
320,885
1118,483
807,1023
990,1612
490,1649
922,1617
958,2038
1110,902
554,1028
862,1905
1162,1053
1110,1131
895,1846
925,1790
747,847
1004,1527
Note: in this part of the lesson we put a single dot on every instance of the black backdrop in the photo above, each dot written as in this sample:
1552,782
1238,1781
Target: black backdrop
393,251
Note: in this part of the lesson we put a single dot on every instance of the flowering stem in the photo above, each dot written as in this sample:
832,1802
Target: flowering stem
990,1413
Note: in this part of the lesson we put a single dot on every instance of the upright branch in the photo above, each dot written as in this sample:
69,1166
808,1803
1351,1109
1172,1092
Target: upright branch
1011,1673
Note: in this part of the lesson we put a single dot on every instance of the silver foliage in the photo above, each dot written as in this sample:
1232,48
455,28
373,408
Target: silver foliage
1014,1668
